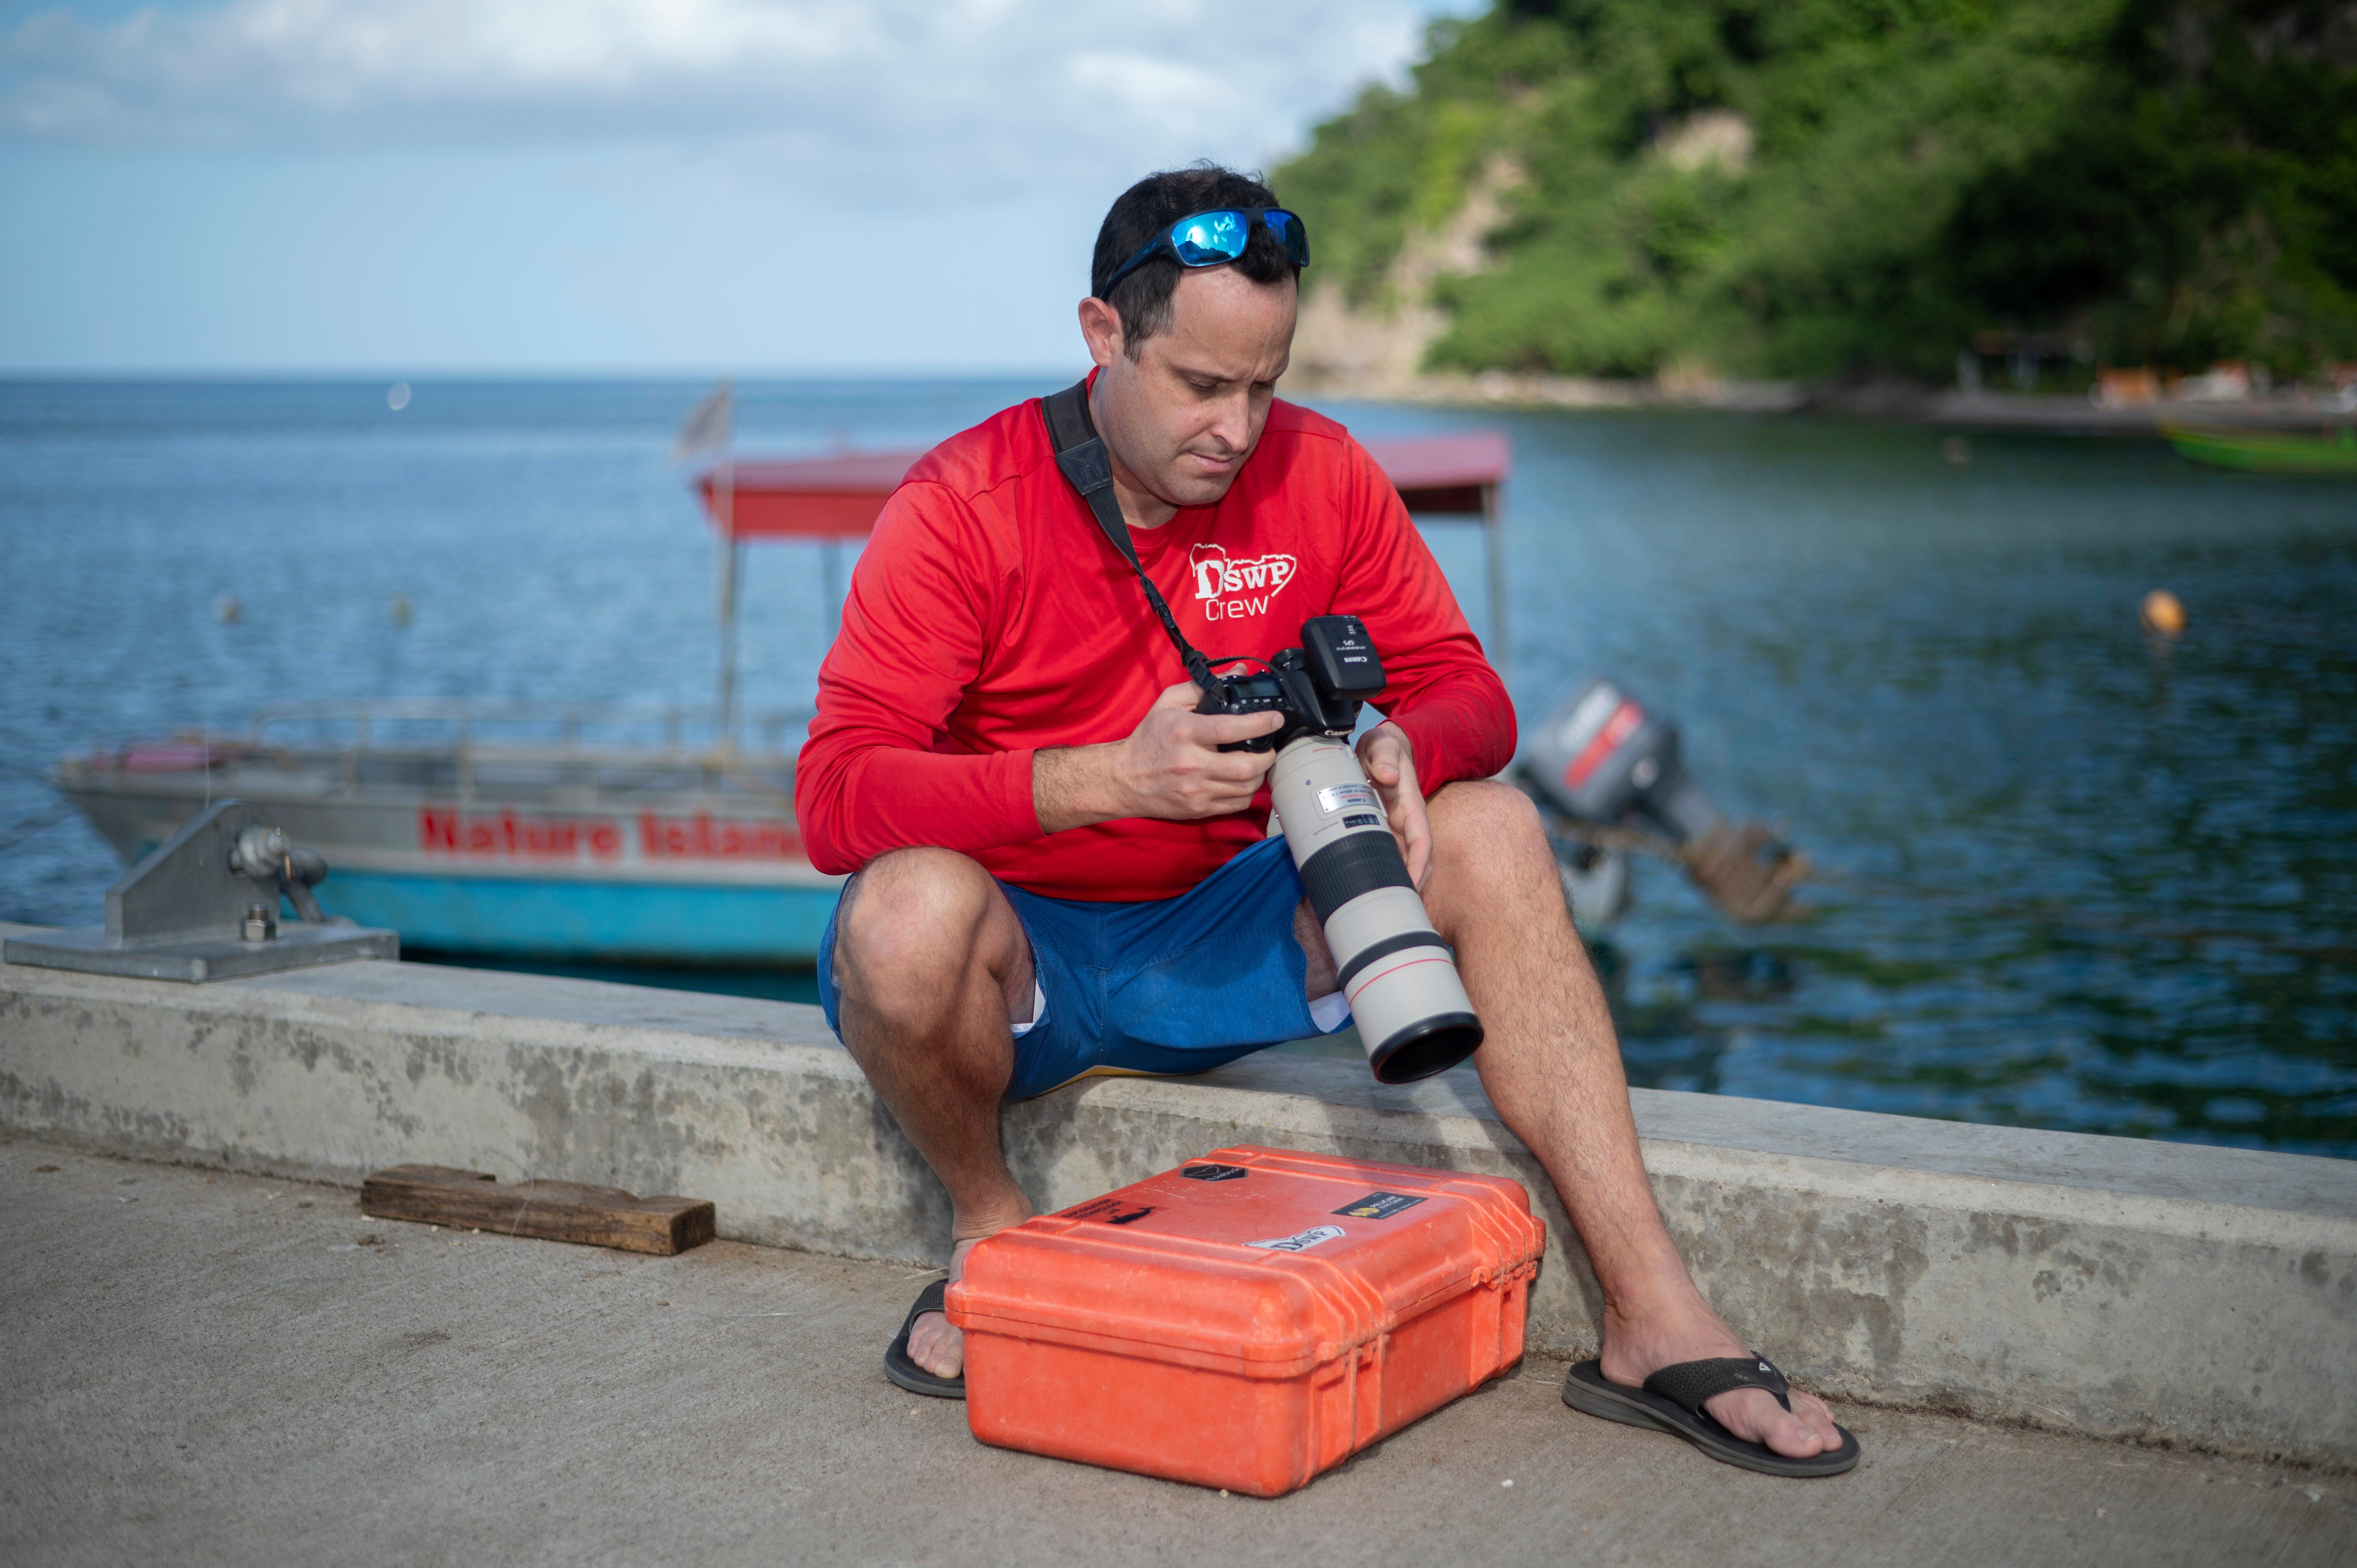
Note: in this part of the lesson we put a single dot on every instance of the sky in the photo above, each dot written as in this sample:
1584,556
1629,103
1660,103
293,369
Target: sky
518,186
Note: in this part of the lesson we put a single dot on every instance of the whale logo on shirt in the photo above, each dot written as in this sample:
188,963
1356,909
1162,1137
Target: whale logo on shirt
1229,589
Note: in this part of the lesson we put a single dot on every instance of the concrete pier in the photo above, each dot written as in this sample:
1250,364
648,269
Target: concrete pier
2191,1297
221,1369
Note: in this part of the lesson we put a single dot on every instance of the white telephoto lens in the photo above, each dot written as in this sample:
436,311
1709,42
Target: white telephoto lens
1397,974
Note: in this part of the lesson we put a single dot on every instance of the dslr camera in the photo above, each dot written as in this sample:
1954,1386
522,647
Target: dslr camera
1400,978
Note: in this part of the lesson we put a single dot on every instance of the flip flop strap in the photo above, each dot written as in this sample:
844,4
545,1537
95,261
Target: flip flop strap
1689,1383
935,1297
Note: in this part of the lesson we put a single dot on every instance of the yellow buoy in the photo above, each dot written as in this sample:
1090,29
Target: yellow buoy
2162,614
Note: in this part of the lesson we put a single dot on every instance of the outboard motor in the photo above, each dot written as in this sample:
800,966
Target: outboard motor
1601,762
1601,757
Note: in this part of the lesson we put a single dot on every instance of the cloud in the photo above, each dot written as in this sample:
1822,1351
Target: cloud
887,93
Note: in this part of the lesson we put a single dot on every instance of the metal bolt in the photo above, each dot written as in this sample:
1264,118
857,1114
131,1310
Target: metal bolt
260,924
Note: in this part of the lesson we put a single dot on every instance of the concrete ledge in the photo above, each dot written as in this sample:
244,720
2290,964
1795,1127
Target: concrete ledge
2155,1291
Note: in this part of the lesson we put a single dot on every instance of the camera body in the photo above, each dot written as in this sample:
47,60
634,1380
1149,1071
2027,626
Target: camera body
1317,686
1399,977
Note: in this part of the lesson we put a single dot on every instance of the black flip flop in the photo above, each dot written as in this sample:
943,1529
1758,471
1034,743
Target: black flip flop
906,1373
1671,1401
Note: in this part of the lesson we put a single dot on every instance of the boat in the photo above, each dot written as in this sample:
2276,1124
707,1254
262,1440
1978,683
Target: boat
2266,451
559,832
583,834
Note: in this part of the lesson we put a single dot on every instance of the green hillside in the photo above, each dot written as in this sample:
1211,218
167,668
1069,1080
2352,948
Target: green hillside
1815,188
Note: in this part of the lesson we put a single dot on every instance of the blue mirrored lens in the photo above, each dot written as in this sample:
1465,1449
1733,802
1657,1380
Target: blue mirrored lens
1209,237
1288,231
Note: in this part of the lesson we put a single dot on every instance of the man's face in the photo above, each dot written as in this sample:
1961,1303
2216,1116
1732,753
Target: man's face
1184,414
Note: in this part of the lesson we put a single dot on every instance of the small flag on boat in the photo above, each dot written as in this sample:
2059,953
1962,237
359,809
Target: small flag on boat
708,424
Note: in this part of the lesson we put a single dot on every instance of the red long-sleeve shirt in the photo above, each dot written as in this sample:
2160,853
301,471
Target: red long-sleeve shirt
990,617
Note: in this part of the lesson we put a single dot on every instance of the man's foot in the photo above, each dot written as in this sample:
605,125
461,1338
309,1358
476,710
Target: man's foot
1637,1347
932,1343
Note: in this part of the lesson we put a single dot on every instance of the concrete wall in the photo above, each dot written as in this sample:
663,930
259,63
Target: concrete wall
2160,1291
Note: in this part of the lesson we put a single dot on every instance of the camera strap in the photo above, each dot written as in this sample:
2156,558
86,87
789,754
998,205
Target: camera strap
1080,453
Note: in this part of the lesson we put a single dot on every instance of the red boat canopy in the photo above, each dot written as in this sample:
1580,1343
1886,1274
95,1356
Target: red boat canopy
838,498
1445,474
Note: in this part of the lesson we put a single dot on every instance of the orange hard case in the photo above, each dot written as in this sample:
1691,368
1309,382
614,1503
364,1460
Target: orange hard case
1247,1320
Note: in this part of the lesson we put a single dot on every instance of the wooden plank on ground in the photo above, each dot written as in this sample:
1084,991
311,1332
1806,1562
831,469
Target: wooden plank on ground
547,1211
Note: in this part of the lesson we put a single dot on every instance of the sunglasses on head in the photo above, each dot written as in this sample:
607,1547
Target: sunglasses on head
1207,238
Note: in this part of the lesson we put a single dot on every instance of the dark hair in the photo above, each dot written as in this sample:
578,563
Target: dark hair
1151,205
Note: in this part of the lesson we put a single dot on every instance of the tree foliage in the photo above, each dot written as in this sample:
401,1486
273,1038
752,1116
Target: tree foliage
2168,182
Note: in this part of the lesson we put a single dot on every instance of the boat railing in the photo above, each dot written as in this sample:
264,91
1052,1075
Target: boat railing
583,741
435,724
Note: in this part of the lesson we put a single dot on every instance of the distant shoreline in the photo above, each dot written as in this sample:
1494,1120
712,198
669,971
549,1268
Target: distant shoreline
1898,402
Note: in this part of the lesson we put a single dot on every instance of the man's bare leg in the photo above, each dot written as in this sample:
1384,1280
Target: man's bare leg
933,968
1551,1065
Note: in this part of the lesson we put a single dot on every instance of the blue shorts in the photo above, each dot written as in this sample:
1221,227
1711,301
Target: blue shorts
1176,985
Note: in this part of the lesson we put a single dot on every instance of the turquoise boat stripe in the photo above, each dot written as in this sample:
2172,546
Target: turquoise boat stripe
610,920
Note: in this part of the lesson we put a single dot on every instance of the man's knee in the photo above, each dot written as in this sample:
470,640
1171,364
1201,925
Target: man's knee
1484,821
913,915
1494,874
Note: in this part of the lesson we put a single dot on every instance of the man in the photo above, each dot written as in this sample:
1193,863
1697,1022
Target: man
1059,873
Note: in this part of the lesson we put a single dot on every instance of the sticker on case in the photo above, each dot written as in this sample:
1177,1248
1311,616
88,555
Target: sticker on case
1112,1210
1302,1241
1377,1205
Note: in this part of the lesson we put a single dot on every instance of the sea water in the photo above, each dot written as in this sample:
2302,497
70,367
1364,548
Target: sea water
2070,875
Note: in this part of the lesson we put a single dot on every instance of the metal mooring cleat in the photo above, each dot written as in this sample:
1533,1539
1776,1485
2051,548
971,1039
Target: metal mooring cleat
204,906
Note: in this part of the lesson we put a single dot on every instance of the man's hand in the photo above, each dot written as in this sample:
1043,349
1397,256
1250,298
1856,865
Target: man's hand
1170,768
1390,762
